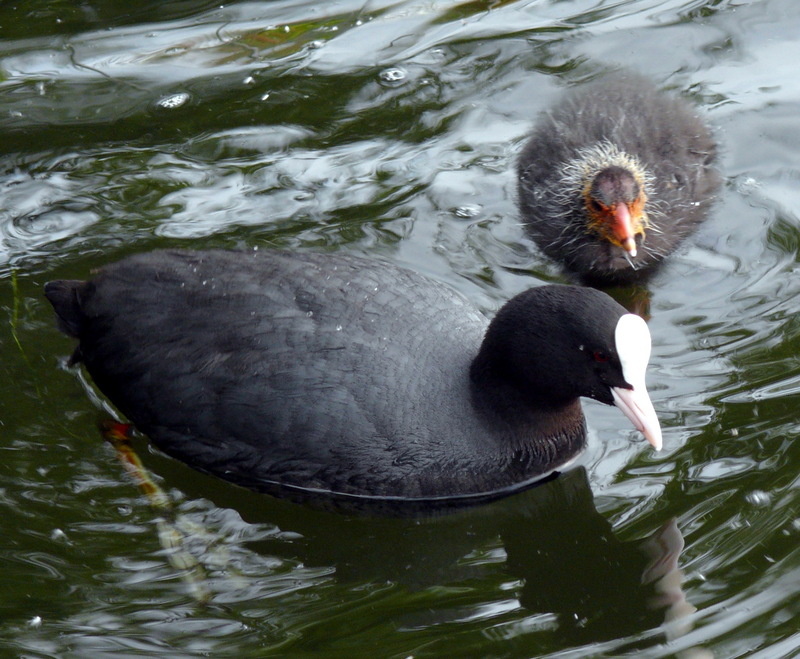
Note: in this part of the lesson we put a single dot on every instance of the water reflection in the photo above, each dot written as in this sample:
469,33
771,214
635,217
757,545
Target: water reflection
560,554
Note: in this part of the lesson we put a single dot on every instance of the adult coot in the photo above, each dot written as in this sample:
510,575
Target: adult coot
309,374
615,177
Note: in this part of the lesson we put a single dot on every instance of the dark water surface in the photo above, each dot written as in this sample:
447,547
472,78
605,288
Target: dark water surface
391,128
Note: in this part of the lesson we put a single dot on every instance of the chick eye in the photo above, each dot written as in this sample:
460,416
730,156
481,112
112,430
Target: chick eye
600,356
595,205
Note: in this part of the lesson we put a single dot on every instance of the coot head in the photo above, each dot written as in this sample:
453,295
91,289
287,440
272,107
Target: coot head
311,375
614,177
557,343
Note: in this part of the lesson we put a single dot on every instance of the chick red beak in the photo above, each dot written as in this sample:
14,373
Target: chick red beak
622,226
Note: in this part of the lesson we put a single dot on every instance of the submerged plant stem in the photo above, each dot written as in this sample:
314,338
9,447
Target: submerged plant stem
15,324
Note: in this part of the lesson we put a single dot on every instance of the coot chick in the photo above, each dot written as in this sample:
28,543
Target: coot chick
309,375
614,178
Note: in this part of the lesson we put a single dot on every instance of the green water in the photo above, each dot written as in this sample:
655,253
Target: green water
391,128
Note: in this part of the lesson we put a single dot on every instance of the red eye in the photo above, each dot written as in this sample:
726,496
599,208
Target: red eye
600,356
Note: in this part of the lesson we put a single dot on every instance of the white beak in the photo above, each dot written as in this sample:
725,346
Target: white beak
636,405
633,347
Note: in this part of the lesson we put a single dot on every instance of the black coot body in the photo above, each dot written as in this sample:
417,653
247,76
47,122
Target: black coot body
614,177
336,375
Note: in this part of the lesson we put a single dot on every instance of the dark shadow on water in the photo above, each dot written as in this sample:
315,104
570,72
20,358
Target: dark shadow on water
565,554
636,299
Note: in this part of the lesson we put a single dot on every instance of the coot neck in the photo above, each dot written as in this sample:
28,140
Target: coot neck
556,427
506,378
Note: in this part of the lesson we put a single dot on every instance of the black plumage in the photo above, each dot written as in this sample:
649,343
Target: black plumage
318,373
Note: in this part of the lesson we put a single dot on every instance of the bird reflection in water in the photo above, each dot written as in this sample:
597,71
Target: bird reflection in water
569,563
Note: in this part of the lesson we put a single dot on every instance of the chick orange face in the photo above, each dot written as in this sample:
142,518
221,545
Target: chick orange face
615,204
